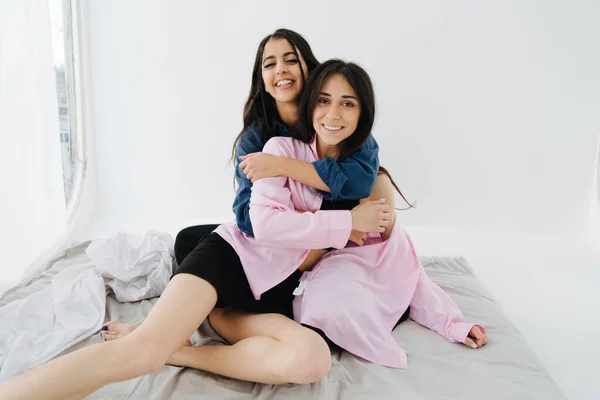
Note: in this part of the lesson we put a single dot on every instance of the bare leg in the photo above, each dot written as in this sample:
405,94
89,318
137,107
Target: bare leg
266,348
182,307
383,189
118,330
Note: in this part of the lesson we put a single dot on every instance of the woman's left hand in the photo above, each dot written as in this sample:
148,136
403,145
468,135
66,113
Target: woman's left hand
477,337
260,165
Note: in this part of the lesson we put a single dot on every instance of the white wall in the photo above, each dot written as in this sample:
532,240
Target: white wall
488,116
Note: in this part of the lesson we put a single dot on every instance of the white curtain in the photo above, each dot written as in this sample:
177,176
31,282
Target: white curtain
32,205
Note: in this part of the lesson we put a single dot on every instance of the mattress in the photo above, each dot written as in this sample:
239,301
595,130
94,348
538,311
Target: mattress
506,368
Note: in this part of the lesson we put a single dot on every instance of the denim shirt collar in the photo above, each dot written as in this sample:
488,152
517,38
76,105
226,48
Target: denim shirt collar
278,128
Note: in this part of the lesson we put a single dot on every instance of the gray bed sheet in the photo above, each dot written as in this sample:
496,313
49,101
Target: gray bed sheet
506,368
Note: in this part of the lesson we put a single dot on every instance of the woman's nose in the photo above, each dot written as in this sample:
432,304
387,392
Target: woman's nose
333,113
281,68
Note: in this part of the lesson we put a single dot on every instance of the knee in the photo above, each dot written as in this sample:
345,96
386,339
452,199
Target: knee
321,353
145,355
319,364
315,357
309,359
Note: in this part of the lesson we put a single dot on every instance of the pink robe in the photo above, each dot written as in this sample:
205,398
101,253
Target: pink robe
355,295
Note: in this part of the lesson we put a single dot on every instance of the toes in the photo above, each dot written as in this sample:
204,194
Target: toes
110,326
115,330
118,327
108,331
110,336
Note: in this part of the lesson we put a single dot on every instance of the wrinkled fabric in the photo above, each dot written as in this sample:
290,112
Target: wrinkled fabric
136,267
357,294
506,368
37,327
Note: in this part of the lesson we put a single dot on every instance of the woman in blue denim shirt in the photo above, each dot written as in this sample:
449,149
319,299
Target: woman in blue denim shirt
283,61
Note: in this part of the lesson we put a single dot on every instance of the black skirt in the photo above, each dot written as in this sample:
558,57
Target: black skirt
215,261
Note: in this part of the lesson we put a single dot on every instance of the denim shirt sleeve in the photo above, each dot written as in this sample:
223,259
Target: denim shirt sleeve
352,178
250,142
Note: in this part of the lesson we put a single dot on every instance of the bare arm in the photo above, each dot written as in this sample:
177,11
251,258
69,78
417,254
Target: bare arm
303,172
262,165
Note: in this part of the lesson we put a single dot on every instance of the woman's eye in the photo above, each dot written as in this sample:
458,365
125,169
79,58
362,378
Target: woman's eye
348,104
292,61
268,65
322,101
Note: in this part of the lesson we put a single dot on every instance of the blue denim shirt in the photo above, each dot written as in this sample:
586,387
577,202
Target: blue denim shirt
352,178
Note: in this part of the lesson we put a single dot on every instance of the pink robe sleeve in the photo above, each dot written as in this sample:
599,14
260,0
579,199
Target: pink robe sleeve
434,309
276,223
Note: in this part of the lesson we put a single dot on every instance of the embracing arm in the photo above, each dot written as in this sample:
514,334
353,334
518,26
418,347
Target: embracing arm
351,178
303,172
276,223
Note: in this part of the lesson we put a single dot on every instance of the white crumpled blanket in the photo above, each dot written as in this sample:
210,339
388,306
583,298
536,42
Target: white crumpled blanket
36,328
137,268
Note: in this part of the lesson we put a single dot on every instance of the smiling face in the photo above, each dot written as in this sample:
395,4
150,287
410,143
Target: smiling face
337,111
281,72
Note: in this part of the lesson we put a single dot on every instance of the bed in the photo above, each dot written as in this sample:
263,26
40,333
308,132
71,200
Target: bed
506,368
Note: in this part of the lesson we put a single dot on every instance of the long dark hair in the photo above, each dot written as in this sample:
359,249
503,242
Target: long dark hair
360,81
384,171
260,105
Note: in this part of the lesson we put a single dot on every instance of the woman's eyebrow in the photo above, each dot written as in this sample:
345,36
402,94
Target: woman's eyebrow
346,96
284,55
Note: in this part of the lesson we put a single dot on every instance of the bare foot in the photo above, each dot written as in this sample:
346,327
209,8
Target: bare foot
117,330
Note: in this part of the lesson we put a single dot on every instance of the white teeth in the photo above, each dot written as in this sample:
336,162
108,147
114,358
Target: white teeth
332,128
284,82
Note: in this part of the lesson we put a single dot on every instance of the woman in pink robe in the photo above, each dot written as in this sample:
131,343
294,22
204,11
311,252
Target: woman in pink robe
354,295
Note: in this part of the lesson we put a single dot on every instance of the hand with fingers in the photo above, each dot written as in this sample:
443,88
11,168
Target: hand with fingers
358,237
371,216
477,337
260,165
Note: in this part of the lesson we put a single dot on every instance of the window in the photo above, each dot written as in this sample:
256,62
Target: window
61,25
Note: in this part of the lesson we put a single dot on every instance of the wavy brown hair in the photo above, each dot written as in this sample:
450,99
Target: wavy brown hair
260,105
